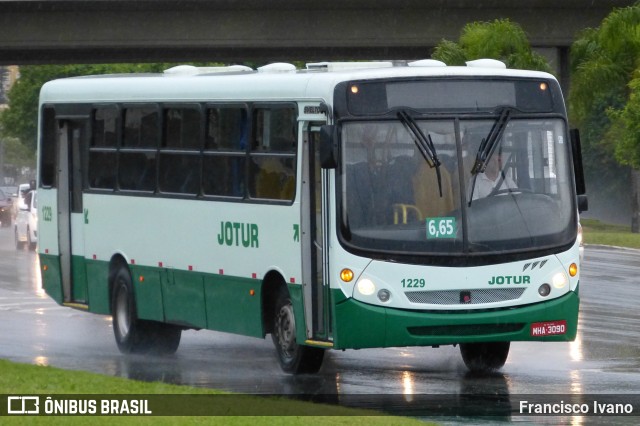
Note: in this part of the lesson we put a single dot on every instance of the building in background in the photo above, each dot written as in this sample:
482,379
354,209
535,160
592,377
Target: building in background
8,76
9,173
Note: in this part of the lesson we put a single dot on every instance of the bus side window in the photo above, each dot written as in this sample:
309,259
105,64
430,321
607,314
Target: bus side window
137,167
48,147
180,151
225,151
103,148
273,149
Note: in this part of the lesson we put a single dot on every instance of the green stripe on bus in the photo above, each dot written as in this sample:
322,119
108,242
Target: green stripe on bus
189,298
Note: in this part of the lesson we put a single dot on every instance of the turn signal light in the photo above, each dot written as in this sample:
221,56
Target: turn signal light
573,269
346,275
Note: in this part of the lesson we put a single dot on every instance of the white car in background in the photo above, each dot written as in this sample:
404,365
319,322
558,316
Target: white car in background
18,200
26,225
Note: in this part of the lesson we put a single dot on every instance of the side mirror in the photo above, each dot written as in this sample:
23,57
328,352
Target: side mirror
328,147
577,161
581,190
583,203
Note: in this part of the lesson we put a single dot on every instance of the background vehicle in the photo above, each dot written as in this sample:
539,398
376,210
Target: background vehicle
331,207
26,224
6,204
10,191
18,202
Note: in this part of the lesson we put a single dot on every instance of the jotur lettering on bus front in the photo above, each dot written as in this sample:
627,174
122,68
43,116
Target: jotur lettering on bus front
238,234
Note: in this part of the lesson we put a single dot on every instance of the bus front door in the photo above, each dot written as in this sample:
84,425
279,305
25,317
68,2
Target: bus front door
71,134
315,259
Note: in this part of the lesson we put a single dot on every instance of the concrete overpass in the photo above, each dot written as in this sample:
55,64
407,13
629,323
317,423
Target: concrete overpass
100,31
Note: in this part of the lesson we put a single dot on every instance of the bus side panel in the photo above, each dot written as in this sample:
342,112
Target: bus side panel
183,297
148,291
234,305
79,279
51,276
295,292
48,243
98,286
360,325
357,325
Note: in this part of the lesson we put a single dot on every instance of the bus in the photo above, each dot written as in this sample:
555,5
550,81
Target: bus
340,206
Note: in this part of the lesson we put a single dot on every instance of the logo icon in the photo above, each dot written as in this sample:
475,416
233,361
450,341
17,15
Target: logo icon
23,405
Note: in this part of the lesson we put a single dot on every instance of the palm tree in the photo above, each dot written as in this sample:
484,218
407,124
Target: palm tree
605,90
500,39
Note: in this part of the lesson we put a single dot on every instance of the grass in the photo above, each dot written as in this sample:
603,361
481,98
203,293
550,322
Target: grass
596,232
23,379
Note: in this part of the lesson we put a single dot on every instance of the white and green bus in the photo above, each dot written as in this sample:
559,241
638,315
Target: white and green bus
345,205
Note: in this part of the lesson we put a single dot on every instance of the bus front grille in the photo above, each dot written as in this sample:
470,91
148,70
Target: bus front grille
468,297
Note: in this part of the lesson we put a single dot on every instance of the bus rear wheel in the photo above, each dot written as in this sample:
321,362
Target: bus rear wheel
132,334
484,357
293,358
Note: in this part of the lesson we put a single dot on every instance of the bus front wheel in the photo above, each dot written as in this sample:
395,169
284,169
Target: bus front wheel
484,357
293,358
132,334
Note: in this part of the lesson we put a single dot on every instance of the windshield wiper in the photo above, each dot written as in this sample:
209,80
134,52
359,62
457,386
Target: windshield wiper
424,143
488,146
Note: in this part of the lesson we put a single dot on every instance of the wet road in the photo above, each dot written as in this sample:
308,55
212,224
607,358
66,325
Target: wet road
604,359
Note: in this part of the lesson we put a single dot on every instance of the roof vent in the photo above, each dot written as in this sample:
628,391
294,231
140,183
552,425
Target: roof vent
343,66
181,70
427,63
277,67
186,70
486,63
227,69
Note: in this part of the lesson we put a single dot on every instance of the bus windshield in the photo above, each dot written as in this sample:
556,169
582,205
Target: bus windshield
394,200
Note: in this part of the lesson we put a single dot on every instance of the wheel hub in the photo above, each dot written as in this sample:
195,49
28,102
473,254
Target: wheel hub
287,330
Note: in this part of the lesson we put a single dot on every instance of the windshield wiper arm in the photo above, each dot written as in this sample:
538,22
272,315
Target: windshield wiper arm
424,143
488,146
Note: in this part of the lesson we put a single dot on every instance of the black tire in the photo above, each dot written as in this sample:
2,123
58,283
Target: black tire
484,357
132,334
19,244
293,358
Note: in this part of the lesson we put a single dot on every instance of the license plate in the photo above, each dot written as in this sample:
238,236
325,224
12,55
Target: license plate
548,328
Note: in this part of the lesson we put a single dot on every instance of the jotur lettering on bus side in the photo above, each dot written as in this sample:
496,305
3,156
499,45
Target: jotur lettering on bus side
238,234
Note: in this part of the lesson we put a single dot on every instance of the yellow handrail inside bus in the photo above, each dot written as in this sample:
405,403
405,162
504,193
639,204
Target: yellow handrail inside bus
404,209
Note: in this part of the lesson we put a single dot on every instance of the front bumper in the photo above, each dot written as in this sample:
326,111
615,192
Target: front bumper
359,325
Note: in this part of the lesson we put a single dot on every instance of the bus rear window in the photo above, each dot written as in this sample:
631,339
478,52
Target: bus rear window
48,146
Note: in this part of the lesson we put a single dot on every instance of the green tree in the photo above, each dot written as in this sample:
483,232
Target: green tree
605,100
501,39
20,119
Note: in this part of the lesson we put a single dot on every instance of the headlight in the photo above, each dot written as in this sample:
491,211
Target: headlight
366,287
559,280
